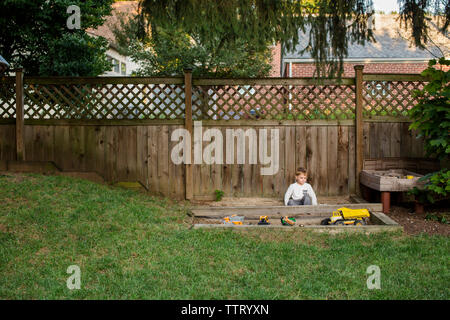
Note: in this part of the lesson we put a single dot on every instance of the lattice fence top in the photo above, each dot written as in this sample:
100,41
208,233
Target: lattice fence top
132,98
7,98
103,98
275,99
389,98
276,102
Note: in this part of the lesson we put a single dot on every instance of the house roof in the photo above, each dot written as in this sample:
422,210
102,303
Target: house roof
105,30
392,43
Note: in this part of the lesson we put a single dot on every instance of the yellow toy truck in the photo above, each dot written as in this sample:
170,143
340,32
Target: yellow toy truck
346,216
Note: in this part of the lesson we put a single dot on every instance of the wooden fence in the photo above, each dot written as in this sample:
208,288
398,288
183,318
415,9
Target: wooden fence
121,128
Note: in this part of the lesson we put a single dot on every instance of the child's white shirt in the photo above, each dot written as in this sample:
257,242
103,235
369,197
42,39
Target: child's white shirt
295,191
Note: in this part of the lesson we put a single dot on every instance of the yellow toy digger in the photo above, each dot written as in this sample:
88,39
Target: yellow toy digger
346,216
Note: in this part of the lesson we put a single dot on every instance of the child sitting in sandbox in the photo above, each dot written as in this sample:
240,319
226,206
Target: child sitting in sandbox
300,192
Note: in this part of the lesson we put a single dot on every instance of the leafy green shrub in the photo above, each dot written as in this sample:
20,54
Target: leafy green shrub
431,118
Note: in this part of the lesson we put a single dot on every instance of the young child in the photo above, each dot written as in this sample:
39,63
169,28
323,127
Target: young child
300,192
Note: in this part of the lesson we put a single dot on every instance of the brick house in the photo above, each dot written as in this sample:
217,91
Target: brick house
391,53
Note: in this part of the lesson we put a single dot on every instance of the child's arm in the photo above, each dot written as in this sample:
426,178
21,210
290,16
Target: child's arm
288,195
313,196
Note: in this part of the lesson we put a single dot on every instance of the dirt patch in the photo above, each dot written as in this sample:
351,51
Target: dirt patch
416,223
13,177
43,251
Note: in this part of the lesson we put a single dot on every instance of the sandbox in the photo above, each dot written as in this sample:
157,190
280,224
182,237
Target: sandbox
307,217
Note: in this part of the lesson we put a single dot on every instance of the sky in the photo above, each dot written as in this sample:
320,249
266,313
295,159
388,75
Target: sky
385,5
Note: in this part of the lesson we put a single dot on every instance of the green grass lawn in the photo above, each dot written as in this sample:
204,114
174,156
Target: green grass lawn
131,246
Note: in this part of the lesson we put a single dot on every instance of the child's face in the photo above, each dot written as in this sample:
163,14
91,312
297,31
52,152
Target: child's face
301,178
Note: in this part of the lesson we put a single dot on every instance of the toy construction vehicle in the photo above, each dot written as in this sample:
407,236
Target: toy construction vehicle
234,219
346,216
287,221
263,220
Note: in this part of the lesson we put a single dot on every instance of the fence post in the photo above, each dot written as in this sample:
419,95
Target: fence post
359,149
189,178
20,147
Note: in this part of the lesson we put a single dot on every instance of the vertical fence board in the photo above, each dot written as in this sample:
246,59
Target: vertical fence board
206,182
122,154
279,177
226,174
180,178
7,142
343,161
163,160
95,149
322,157
172,179
247,170
312,157
131,138
290,156
352,187
300,147
268,181
20,106
62,147
374,143
142,155
235,169
77,141
395,139
111,150
216,170
332,160
417,148
152,162
406,141
366,139
37,144
384,131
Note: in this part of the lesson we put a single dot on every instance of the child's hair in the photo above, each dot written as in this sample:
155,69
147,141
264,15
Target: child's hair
301,170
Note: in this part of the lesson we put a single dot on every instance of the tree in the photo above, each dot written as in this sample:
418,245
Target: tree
169,50
414,15
34,35
332,24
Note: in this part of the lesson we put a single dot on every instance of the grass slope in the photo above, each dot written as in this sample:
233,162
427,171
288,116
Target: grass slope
131,246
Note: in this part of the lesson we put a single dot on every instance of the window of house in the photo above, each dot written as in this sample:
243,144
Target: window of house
123,68
115,64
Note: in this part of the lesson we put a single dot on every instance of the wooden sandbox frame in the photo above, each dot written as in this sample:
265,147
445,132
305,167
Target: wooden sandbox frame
304,214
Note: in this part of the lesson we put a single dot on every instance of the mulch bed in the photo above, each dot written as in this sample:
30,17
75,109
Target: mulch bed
416,223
